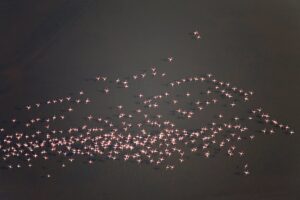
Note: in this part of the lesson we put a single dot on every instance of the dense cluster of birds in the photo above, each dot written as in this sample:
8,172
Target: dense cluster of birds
153,131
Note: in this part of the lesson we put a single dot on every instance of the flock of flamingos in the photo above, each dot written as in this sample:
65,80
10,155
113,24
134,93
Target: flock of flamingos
190,115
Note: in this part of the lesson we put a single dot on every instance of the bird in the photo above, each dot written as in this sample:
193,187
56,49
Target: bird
106,90
170,59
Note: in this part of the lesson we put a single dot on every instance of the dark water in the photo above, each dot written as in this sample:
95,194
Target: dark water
50,48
